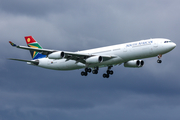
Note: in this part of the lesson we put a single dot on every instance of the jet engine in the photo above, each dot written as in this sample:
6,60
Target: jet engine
94,60
134,63
56,55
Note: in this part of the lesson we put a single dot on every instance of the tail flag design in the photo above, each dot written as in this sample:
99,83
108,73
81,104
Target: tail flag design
31,42
14,45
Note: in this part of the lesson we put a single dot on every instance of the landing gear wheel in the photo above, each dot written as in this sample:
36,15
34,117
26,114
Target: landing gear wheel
95,72
159,57
82,73
105,75
85,74
89,70
159,61
111,72
108,71
86,69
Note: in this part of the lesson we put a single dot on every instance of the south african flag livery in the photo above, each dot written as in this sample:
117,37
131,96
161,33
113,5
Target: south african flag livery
31,42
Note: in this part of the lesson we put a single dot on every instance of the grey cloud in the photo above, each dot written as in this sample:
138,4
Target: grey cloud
33,7
28,92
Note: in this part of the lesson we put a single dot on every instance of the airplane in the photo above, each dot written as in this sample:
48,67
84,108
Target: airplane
91,60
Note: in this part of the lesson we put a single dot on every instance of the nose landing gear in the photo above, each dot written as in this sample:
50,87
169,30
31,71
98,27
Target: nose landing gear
159,57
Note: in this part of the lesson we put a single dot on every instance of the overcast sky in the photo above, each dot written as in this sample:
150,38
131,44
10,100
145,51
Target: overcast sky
32,93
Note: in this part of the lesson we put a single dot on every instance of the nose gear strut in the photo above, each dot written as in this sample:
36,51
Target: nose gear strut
159,59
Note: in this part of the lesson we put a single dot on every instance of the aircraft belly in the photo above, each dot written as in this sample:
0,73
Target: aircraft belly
72,65
61,64
137,53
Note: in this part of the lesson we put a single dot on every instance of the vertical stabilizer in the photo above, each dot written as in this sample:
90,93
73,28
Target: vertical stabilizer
31,42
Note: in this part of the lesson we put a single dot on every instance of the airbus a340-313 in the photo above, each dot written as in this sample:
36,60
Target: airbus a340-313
91,60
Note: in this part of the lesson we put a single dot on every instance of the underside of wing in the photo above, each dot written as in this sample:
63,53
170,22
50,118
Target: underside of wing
87,58
80,57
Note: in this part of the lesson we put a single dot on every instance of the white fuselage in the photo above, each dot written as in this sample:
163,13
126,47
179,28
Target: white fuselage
122,52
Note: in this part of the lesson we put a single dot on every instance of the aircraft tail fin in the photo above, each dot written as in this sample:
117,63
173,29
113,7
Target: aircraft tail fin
31,42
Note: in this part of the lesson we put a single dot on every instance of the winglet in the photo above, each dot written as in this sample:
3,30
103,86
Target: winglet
12,44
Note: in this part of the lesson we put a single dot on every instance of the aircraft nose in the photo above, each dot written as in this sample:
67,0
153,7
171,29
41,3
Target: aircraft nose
173,45
170,46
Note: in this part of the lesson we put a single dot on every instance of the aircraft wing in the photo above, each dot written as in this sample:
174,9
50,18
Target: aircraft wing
42,51
79,57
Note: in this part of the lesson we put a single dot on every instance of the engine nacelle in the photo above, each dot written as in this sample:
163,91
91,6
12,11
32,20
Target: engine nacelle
134,63
56,55
94,60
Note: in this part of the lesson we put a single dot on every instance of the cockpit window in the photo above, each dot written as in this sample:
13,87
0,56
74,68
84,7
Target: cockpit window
167,41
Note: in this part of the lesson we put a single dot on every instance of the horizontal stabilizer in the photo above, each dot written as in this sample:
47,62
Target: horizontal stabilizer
14,45
34,62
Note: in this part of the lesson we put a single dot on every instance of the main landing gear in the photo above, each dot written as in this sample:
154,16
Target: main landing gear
95,71
108,72
86,71
159,57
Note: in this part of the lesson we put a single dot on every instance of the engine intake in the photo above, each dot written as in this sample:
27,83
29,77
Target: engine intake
134,63
94,60
56,55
